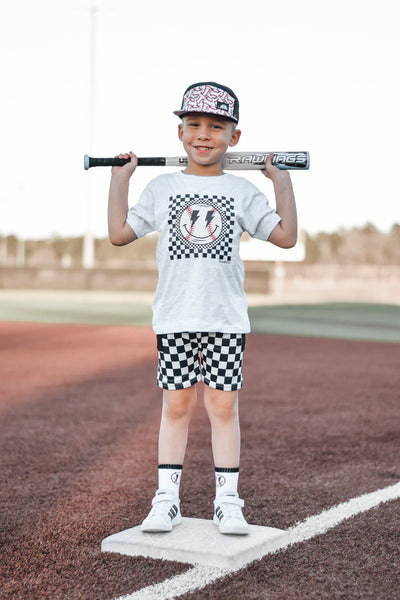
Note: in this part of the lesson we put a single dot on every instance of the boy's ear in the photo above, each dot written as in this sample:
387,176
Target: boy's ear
180,131
235,137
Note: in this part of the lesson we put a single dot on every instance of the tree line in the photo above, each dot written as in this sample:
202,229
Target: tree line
361,246
364,246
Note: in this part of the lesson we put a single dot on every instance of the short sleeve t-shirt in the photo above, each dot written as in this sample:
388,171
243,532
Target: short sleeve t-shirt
200,221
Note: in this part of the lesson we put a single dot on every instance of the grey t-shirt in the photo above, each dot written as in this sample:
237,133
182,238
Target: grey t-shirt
201,220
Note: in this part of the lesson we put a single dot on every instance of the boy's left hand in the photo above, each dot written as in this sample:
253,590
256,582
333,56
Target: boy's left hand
270,170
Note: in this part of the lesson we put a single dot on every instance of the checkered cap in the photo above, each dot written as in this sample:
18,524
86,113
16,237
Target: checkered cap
210,97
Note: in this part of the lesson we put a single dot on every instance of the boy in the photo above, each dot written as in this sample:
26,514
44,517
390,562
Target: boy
200,309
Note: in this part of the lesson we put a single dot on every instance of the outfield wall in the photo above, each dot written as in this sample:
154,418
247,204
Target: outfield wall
291,281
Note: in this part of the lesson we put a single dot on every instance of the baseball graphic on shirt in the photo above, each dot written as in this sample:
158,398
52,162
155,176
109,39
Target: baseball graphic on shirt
201,227
201,223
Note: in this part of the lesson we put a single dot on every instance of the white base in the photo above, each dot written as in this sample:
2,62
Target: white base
198,541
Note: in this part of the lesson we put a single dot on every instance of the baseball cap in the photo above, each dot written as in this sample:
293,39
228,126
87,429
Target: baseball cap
210,97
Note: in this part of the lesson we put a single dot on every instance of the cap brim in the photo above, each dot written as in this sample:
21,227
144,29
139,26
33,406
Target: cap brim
181,113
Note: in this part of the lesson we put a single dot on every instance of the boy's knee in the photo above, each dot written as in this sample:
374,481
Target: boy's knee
178,404
221,405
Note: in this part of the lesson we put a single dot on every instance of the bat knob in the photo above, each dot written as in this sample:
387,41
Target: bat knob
86,162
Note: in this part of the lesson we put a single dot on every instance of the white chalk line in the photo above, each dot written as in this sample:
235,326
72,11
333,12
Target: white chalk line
200,576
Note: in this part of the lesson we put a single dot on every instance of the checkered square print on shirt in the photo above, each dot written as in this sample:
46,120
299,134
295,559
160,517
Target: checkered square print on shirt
201,227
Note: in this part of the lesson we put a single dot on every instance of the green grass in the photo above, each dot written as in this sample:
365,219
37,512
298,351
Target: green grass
358,321
75,310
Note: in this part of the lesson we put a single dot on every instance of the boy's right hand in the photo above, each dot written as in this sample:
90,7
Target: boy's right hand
127,169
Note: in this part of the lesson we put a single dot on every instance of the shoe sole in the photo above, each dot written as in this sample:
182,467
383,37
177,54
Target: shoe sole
225,531
161,529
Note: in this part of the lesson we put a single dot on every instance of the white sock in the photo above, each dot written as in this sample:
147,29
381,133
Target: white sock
226,480
169,478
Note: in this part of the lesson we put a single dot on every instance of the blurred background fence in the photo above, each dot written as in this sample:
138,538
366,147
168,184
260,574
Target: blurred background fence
361,264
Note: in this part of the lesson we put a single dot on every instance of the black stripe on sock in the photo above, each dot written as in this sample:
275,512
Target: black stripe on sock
227,470
174,467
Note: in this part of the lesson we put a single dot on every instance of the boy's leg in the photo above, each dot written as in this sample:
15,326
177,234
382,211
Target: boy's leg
221,368
223,412
177,410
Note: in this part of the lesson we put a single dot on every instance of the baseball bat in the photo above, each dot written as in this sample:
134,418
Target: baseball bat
232,161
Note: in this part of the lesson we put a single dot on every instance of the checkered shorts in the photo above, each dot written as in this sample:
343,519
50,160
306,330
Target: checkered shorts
187,358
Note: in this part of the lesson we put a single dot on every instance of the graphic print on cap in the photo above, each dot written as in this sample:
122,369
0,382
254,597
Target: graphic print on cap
201,227
210,97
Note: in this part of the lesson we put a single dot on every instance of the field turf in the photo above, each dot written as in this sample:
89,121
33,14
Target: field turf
358,321
80,411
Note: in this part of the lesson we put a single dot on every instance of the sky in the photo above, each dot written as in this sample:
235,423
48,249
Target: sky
310,75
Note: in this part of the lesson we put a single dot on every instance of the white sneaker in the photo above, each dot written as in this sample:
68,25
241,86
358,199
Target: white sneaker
228,515
164,514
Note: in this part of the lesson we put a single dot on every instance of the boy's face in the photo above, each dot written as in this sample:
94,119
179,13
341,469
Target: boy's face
206,138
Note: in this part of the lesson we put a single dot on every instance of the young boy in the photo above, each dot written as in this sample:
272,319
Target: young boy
200,310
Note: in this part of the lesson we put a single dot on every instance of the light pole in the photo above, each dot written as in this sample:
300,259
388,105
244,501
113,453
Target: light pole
88,240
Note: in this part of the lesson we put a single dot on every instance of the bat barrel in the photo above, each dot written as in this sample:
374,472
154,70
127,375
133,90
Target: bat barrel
256,160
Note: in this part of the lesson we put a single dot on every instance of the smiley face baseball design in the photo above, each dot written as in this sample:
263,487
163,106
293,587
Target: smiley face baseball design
201,227
201,223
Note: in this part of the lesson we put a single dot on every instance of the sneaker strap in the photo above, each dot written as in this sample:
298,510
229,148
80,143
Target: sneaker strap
231,499
162,496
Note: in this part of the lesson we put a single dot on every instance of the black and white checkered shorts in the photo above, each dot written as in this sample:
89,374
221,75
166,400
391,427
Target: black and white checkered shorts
186,358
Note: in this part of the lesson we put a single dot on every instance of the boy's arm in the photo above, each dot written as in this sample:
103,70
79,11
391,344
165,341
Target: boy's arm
284,234
120,233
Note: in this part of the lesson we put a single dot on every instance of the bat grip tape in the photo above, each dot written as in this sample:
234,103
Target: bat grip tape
151,162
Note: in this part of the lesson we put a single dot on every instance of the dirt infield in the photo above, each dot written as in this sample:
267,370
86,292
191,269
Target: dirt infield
79,421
